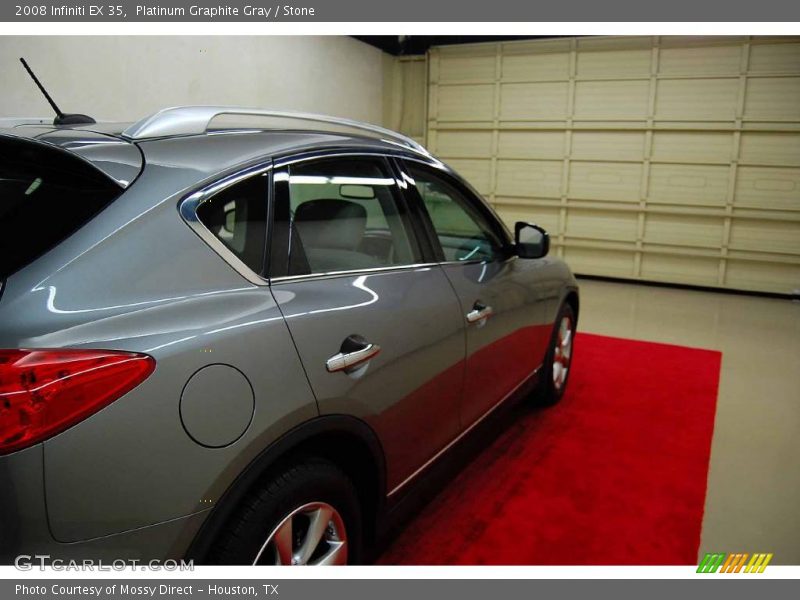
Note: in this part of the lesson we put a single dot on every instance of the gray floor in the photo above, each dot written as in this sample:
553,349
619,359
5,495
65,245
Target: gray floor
753,500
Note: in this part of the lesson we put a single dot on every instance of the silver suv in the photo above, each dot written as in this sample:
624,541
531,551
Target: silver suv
248,343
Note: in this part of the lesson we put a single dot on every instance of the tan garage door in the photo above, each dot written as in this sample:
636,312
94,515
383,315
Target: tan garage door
664,159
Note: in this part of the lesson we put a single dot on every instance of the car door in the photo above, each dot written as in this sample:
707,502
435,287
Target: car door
376,324
501,296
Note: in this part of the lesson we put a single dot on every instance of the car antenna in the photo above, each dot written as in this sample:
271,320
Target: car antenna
61,118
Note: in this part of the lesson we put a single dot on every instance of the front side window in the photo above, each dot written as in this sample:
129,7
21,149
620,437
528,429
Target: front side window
341,214
463,232
237,216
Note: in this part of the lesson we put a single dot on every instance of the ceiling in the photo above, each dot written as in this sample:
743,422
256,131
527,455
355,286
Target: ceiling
407,45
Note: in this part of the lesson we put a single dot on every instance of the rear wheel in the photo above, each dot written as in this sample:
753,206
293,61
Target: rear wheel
556,368
306,515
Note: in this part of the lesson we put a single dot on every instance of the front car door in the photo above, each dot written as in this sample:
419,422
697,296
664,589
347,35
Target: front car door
377,326
502,297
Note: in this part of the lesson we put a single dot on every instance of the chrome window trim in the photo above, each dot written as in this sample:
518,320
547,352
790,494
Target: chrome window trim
187,208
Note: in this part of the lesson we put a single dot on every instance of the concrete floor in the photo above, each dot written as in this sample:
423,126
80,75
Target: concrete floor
753,499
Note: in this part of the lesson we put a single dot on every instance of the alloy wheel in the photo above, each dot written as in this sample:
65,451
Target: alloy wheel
312,534
563,353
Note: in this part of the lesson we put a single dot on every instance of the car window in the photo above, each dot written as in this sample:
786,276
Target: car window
237,216
46,195
343,214
463,232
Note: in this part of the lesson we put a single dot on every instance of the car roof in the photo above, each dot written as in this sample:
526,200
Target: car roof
213,151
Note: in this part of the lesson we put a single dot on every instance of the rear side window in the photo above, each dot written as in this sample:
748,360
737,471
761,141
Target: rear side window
46,195
237,216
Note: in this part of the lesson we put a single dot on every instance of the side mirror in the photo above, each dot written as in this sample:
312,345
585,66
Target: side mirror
530,241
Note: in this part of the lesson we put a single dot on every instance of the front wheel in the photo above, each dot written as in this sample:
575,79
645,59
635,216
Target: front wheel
556,367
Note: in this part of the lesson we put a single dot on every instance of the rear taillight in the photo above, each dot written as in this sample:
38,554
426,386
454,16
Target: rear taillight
43,392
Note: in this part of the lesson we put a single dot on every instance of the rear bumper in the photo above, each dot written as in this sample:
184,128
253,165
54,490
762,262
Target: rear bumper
24,529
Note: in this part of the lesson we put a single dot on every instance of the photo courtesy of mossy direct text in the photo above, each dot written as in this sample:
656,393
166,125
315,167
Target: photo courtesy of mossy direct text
224,10
151,591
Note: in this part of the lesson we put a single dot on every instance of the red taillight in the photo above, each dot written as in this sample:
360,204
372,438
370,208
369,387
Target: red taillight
43,392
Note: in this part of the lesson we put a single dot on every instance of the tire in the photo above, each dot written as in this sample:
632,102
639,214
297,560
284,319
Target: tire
276,521
555,371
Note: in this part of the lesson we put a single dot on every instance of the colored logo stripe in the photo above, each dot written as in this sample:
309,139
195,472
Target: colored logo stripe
734,563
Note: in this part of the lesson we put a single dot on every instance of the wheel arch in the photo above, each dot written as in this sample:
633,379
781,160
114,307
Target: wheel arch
346,441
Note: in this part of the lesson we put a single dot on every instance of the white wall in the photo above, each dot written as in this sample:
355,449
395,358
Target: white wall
123,78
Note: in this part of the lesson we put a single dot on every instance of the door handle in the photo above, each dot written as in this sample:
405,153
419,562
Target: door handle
479,312
354,351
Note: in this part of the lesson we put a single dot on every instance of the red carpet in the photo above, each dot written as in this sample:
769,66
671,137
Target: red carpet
613,475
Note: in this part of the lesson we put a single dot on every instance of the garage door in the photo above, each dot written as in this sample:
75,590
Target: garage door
663,159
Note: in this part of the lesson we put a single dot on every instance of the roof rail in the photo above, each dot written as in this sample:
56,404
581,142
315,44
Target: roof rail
194,120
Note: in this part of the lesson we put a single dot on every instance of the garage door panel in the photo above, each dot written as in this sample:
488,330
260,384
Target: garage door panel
706,59
531,144
477,172
663,158
465,102
679,269
768,188
602,225
529,101
608,145
753,275
697,99
529,178
770,148
772,58
464,144
524,61
460,67
773,98
595,261
692,146
688,184
611,99
678,230
766,236
618,182
544,217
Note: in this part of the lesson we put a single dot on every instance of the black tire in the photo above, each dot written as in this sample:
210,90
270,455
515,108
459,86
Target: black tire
547,393
312,480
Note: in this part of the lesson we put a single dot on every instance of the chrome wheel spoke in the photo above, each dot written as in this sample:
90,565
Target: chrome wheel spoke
337,555
317,527
283,543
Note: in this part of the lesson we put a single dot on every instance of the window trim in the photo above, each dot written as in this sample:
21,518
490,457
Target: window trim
387,158
471,197
187,208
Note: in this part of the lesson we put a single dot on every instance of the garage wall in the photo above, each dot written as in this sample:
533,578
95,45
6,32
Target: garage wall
665,159
127,77
405,95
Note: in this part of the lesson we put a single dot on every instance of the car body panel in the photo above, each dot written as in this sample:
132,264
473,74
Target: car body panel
409,393
506,348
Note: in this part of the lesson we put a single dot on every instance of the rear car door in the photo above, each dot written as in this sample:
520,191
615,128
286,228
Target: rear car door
377,326
501,297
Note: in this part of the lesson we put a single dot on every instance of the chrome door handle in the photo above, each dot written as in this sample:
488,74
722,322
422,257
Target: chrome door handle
479,312
347,360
